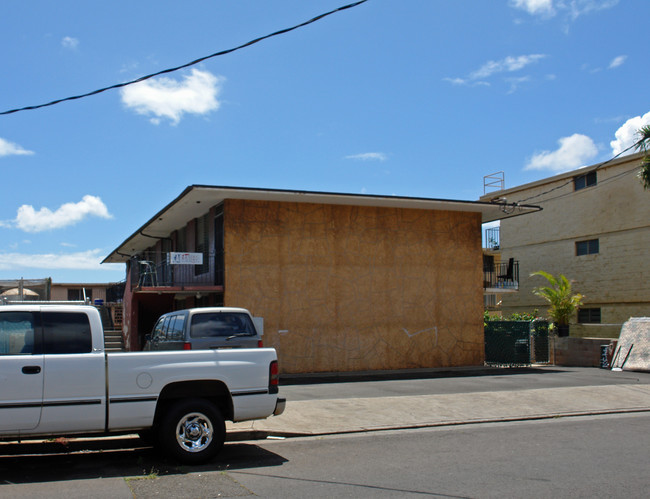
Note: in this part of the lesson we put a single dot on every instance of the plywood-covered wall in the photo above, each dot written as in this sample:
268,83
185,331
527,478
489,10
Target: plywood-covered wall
349,288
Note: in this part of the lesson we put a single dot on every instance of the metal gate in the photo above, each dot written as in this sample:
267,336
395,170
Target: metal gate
516,343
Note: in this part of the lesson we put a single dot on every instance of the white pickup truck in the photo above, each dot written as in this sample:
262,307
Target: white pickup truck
57,380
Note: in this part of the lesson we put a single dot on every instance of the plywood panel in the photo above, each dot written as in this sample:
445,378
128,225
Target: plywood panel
344,288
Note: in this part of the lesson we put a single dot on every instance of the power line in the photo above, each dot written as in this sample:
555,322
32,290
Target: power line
196,61
635,145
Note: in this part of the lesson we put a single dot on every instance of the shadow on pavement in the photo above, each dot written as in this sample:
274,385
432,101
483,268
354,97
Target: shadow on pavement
351,377
31,462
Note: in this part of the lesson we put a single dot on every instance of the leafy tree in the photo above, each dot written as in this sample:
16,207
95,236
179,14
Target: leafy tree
644,145
562,303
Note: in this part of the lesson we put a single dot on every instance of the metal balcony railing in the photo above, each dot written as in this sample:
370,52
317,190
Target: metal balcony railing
155,270
502,275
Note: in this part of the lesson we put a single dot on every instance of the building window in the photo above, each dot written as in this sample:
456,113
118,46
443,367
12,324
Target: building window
590,247
589,316
586,180
78,294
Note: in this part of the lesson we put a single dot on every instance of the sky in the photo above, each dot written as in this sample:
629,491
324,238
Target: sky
418,98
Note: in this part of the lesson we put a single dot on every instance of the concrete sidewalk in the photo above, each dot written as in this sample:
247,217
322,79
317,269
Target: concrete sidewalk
331,416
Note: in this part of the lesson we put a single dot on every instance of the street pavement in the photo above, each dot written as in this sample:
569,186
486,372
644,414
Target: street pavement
364,402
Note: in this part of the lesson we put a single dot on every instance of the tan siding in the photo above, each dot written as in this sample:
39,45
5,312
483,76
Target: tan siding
345,288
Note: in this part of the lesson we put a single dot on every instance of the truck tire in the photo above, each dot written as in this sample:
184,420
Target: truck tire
192,431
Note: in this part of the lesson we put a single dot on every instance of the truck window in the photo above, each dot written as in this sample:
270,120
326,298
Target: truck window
220,324
16,333
66,332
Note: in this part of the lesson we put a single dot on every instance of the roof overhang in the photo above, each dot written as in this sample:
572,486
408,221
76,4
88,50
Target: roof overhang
196,200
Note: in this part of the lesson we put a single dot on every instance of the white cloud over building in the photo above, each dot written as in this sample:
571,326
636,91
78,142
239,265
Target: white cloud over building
164,97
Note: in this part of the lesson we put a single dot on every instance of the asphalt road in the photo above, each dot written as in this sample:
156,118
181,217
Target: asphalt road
584,457
601,456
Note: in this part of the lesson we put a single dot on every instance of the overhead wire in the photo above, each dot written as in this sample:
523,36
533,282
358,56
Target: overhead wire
584,174
183,66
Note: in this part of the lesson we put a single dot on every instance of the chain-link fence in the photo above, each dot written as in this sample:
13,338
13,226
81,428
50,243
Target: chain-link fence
516,343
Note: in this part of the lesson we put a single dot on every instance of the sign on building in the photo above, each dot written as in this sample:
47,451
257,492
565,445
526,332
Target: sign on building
177,258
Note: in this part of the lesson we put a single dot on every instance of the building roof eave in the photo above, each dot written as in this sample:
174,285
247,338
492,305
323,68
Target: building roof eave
196,200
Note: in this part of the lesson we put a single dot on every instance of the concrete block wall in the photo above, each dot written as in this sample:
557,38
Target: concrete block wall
579,352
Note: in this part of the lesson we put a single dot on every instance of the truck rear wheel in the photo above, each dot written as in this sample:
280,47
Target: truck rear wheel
192,431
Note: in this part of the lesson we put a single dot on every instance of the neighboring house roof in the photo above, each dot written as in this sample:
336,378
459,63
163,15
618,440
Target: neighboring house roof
562,176
198,199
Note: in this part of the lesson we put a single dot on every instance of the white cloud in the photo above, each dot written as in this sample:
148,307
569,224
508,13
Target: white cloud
70,42
369,156
576,8
509,64
626,135
617,61
535,7
516,82
83,260
164,97
572,9
30,220
10,149
573,152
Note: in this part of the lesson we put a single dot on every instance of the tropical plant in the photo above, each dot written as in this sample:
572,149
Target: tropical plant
562,302
644,145
515,316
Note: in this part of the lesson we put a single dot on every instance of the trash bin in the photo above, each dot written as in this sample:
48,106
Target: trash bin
604,362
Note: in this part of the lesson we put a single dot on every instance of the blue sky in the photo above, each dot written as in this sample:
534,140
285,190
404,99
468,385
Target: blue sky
409,98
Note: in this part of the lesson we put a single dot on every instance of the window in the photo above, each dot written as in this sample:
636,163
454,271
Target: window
589,316
17,333
66,332
590,247
221,324
585,180
175,331
78,294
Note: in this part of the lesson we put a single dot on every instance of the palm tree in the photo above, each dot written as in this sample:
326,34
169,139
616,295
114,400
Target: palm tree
562,303
644,144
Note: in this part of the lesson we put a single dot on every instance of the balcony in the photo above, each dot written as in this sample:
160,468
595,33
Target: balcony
165,271
501,277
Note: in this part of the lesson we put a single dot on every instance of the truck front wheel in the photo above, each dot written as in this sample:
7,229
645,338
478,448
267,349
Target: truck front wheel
192,431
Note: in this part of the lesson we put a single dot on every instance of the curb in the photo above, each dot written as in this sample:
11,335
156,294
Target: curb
246,435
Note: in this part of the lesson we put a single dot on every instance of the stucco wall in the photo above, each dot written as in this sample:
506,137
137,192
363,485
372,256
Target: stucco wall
345,288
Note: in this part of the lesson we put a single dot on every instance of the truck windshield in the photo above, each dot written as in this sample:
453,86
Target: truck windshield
221,324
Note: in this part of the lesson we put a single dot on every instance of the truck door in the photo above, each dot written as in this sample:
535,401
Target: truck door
21,371
75,383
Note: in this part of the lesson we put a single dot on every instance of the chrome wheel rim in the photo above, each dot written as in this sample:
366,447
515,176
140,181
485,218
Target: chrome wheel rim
194,432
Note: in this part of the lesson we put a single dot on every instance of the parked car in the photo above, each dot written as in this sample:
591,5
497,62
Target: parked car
205,328
57,380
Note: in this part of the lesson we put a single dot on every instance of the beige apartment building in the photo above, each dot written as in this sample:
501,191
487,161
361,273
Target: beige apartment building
594,228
